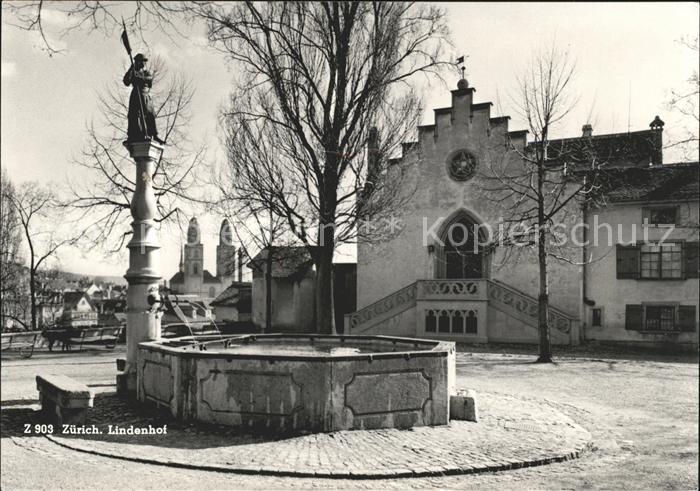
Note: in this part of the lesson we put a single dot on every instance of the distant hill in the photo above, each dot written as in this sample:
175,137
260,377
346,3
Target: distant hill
57,278
118,280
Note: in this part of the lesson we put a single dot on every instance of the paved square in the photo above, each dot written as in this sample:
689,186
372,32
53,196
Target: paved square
641,415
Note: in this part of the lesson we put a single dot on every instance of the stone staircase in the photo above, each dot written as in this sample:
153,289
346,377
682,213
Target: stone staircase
435,295
519,304
381,310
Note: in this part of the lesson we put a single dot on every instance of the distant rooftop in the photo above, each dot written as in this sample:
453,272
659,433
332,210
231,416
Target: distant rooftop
286,261
239,295
668,182
632,149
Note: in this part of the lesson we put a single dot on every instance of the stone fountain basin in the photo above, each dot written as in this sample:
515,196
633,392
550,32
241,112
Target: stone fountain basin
293,383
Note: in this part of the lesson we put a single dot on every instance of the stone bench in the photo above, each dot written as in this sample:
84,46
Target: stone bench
463,406
64,400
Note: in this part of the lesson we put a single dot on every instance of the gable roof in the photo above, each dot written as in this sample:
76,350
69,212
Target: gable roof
286,261
71,299
178,277
239,295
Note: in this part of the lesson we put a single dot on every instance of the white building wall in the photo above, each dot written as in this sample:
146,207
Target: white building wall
612,294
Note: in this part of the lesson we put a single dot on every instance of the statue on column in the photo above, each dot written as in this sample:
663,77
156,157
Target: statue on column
142,116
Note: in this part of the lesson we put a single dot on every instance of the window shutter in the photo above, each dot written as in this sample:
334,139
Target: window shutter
690,262
628,259
633,317
686,318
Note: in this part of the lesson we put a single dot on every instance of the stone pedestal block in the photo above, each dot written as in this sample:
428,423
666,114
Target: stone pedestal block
463,406
126,384
63,400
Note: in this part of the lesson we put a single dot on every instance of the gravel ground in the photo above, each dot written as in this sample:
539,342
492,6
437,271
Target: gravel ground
641,409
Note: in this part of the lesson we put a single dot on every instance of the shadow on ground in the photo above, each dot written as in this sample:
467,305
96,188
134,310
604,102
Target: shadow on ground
111,411
590,351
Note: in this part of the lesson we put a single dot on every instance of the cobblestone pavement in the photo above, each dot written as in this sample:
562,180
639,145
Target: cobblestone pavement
512,433
642,417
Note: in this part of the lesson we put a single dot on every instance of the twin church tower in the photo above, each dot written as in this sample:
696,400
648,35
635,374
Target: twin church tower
192,278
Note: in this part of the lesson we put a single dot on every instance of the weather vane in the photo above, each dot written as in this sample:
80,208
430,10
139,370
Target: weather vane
460,60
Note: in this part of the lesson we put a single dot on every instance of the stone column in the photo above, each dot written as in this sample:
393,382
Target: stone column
142,320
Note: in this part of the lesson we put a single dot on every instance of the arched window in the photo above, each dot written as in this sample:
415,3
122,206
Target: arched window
462,255
212,292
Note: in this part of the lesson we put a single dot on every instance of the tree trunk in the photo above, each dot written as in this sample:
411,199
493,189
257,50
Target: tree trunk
543,303
268,292
325,322
32,295
543,298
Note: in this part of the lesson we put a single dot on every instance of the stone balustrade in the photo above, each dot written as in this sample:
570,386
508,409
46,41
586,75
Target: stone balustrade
407,296
388,306
451,289
503,297
525,307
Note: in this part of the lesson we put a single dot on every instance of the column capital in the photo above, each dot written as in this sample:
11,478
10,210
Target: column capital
145,149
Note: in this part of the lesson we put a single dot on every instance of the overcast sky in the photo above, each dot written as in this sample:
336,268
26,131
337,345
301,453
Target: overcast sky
628,58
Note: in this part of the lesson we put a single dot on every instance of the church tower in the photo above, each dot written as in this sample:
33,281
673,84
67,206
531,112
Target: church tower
225,255
194,259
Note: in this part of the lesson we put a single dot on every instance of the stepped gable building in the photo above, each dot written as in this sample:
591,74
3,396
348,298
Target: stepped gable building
192,278
426,282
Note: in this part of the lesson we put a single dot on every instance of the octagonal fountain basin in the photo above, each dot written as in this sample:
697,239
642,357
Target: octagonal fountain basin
294,383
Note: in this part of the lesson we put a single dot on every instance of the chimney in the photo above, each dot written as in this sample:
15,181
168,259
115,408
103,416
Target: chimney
240,265
657,124
657,127
587,130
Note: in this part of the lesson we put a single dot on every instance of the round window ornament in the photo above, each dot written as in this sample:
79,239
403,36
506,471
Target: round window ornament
462,166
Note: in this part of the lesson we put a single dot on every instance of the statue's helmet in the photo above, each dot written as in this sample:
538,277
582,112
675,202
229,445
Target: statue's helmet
140,57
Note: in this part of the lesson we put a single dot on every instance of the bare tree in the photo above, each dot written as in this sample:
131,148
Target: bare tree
101,192
685,102
91,16
12,299
535,188
37,209
316,78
